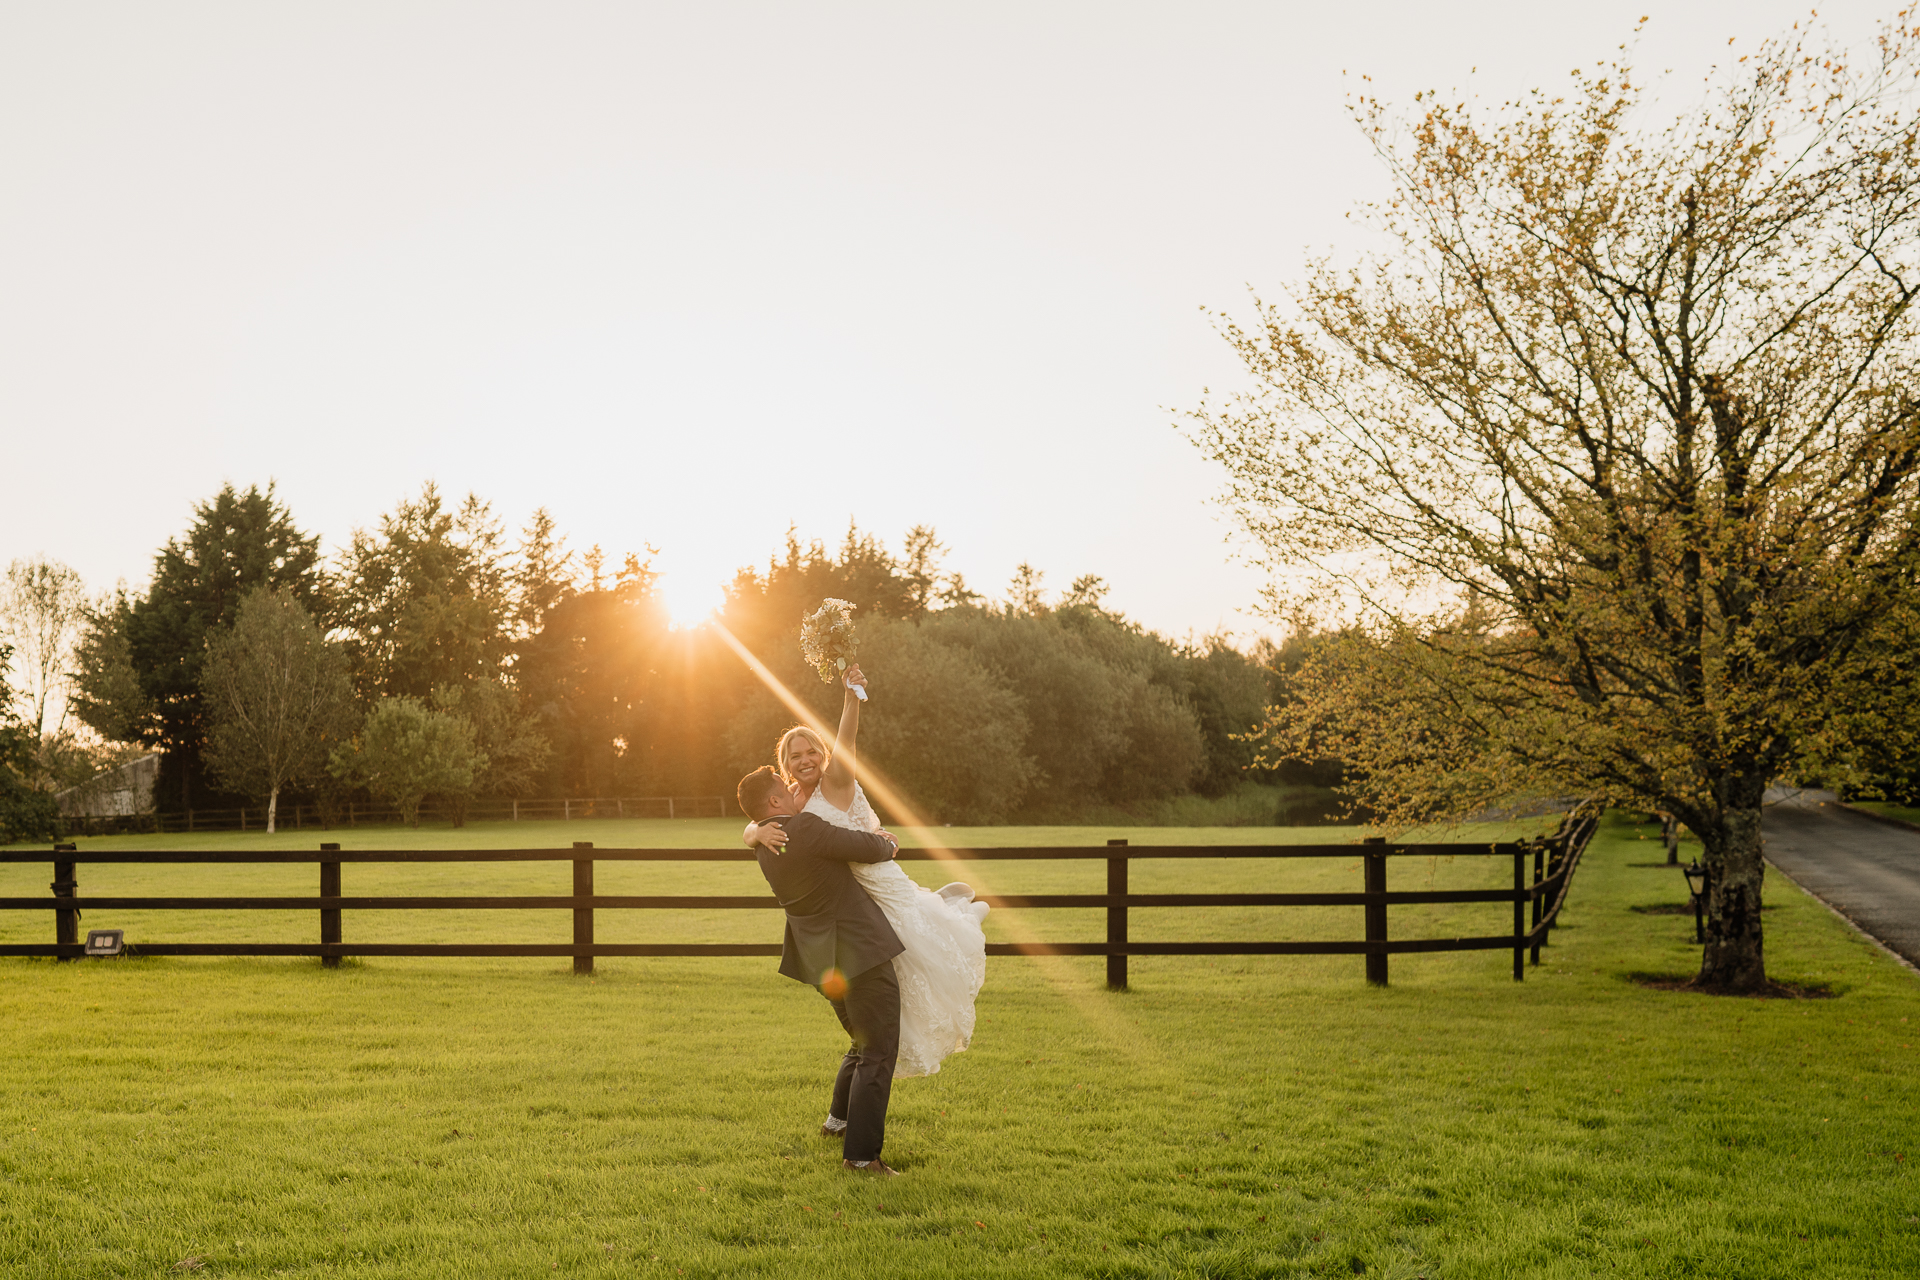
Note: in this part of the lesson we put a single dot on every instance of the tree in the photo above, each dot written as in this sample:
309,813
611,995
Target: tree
427,600
982,715
42,603
106,695
277,698
1024,595
543,575
508,738
1229,694
763,608
1615,450
26,812
943,727
1869,749
406,751
920,568
237,542
630,706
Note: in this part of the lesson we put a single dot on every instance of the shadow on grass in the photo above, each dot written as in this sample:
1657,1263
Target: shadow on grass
1684,982
1671,909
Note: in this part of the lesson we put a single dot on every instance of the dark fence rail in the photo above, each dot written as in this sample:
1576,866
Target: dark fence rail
313,817
1542,871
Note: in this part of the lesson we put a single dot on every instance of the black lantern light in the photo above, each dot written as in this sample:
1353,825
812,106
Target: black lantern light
105,942
1697,886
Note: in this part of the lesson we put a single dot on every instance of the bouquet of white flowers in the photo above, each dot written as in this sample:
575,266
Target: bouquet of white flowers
827,641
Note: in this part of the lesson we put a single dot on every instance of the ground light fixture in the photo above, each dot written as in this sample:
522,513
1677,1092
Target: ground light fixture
1697,885
105,942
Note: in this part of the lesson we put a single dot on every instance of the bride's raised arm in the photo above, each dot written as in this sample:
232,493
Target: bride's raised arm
837,781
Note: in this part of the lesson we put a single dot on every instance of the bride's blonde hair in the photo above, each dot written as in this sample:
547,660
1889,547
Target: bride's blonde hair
798,731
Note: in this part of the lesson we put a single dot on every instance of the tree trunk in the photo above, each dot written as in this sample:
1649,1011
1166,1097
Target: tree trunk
1733,961
273,808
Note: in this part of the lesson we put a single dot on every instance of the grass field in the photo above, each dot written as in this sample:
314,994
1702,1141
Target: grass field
1887,809
1230,1118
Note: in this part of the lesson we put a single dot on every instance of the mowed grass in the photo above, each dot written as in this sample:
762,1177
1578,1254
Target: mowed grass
1225,1118
1906,813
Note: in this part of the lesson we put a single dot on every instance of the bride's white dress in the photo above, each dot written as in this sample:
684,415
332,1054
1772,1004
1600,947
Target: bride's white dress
945,961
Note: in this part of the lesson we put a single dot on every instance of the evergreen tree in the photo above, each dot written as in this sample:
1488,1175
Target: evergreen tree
761,609
543,575
238,542
427,600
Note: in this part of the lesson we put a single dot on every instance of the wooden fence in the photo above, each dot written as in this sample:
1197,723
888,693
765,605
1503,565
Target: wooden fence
1542,871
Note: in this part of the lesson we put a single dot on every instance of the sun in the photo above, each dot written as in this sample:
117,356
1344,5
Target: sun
688,600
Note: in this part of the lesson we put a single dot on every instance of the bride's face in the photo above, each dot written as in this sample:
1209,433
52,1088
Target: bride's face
804,760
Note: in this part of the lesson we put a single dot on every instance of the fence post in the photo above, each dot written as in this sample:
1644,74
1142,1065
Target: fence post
1539,898
566,809
1519,916
66,924
1559,851
329,916
1376,881
1117,918
582,916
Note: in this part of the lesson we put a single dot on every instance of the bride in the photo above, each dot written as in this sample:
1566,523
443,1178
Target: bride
945,961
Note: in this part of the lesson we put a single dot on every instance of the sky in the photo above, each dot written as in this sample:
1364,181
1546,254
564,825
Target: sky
688,275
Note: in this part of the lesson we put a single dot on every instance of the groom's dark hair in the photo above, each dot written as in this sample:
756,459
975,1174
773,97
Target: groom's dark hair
754,791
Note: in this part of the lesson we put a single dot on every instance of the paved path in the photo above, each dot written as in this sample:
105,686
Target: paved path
1868,871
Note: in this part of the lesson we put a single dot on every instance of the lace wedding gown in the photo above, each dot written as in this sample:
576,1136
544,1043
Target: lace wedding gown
945,961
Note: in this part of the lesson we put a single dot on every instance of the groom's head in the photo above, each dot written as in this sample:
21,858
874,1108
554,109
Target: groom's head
763,795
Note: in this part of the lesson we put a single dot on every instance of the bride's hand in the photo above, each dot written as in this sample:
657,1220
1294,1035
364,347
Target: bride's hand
854,676
766,833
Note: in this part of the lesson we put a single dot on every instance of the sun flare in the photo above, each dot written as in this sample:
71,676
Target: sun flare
688,601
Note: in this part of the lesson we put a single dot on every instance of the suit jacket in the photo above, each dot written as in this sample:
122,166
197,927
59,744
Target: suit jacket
831,921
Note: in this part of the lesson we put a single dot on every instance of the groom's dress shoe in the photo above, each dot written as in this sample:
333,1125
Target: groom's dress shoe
828,1131
878,1168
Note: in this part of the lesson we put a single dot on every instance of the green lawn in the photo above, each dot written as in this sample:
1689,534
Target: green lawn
1240,1117
1887,809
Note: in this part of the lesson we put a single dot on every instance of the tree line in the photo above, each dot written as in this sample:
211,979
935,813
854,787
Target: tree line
437,656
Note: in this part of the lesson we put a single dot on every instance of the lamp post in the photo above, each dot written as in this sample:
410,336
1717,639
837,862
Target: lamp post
1697,886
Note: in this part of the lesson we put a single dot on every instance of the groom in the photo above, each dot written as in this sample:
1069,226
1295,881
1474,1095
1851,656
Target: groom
839,942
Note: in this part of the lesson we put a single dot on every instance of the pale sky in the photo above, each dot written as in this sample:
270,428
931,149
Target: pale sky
688,274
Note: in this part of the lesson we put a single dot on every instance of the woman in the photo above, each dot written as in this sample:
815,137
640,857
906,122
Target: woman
945,961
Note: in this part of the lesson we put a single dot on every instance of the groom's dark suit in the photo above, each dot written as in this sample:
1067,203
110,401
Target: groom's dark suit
839,941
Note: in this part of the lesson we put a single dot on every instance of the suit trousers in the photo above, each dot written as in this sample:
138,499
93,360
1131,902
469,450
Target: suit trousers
870,1011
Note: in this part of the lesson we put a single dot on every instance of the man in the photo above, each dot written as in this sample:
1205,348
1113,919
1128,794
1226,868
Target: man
838,942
